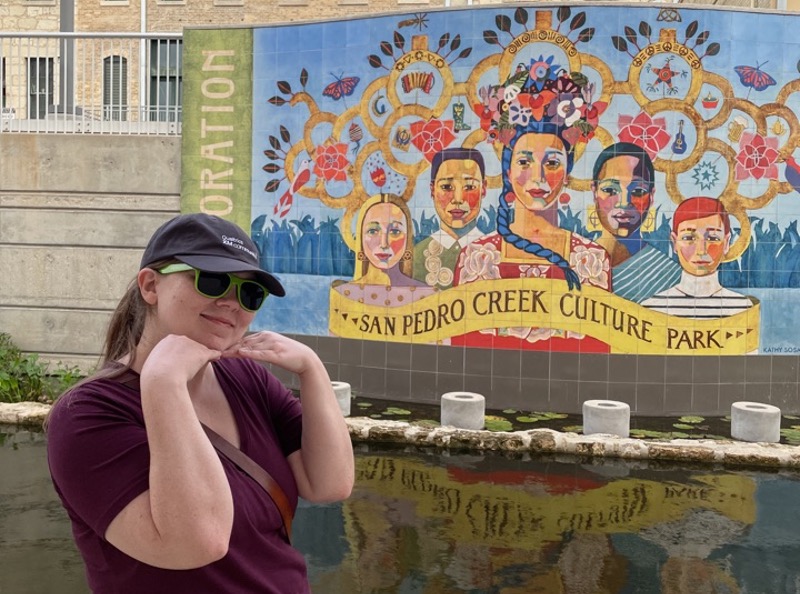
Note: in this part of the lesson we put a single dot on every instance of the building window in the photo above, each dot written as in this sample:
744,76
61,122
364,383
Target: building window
40,87
115,88
166,80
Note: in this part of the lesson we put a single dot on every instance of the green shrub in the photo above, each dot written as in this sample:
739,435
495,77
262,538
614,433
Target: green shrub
23,377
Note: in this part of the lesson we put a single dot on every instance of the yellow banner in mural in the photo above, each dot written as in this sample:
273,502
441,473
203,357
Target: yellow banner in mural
528,516
625,326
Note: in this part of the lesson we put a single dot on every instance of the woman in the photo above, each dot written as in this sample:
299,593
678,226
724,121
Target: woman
528,243
153,506
623,188
384,267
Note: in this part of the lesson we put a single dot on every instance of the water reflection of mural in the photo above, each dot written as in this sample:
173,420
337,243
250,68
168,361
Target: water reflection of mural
506,527
593,179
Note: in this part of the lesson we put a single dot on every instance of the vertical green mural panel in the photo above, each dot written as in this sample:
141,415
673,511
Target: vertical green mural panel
217,127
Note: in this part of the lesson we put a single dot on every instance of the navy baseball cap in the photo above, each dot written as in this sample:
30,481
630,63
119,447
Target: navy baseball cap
209,243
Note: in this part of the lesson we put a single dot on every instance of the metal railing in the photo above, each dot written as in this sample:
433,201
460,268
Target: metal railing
91,83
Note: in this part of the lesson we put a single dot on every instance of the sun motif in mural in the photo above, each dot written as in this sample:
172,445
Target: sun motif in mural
705,175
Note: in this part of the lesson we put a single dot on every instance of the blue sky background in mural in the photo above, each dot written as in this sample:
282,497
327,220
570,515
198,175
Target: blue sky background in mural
335,57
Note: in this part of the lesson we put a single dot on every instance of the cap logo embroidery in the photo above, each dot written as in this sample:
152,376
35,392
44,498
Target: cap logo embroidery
237,243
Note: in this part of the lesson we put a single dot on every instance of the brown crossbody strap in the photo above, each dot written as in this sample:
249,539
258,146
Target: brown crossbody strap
258,474
238,457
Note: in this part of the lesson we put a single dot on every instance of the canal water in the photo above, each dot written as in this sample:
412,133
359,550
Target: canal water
427,522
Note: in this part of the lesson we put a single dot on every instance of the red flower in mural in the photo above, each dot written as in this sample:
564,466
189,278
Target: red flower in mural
331,162
432,136
757,157
644,131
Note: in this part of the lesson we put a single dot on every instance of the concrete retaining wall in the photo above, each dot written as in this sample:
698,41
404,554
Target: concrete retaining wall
75,213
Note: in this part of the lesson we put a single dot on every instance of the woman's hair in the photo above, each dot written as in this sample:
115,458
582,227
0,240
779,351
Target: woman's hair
644,168
462,154
406,264
505,214
123,333
700,207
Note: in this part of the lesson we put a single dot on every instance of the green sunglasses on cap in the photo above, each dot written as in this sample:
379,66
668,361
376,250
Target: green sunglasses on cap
251,295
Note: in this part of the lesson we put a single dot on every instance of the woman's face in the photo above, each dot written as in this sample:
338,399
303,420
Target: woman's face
622,197
538,169
384,235
701,244
457,192
180,309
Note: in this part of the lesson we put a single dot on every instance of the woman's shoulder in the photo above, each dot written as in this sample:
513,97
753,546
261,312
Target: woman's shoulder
93,399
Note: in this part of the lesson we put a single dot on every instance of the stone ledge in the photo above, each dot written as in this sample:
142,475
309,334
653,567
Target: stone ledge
542,441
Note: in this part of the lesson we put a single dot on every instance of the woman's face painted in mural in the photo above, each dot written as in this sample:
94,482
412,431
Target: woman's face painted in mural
457,192
384,235
538,169
701,244
622,197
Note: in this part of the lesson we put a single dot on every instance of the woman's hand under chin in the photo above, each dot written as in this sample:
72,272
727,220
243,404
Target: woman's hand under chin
274,348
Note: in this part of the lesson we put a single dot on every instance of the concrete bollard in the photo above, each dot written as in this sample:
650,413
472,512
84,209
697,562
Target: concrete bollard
754,421
342,391
463,410
606,416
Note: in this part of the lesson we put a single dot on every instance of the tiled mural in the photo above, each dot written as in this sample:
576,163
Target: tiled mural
583,179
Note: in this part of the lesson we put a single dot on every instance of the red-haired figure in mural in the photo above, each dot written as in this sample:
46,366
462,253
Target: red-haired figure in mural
384,257
536,160
701,236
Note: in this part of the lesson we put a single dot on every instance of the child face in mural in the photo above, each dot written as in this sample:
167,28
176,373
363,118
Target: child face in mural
457,191
538,169
384,233
622,196
701,244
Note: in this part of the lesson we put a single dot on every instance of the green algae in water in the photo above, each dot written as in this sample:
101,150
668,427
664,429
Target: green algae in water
691,420
495,423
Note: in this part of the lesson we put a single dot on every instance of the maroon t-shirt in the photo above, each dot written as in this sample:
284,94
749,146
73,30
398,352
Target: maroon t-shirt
99,461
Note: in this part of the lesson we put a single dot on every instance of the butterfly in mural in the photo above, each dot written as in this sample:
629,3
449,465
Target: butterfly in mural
341,87
754,78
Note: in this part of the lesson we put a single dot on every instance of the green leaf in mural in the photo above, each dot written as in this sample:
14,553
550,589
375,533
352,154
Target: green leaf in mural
444,40
586,35
521,16
631,35
284,87
645,30
691,29
701,39
503,22
303,78
563,13
578,21
272,185
277,101
374,61
490,37
386,48
619,43
456,43
271,168
285,136
275,143
399,41
712,49
271,155
579,78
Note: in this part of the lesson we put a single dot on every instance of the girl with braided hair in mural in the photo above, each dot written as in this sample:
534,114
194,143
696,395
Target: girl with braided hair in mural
536,160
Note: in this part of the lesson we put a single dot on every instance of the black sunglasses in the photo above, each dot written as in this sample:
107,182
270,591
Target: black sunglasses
251,295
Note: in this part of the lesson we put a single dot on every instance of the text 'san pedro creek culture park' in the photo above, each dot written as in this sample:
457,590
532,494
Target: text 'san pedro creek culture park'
574,179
